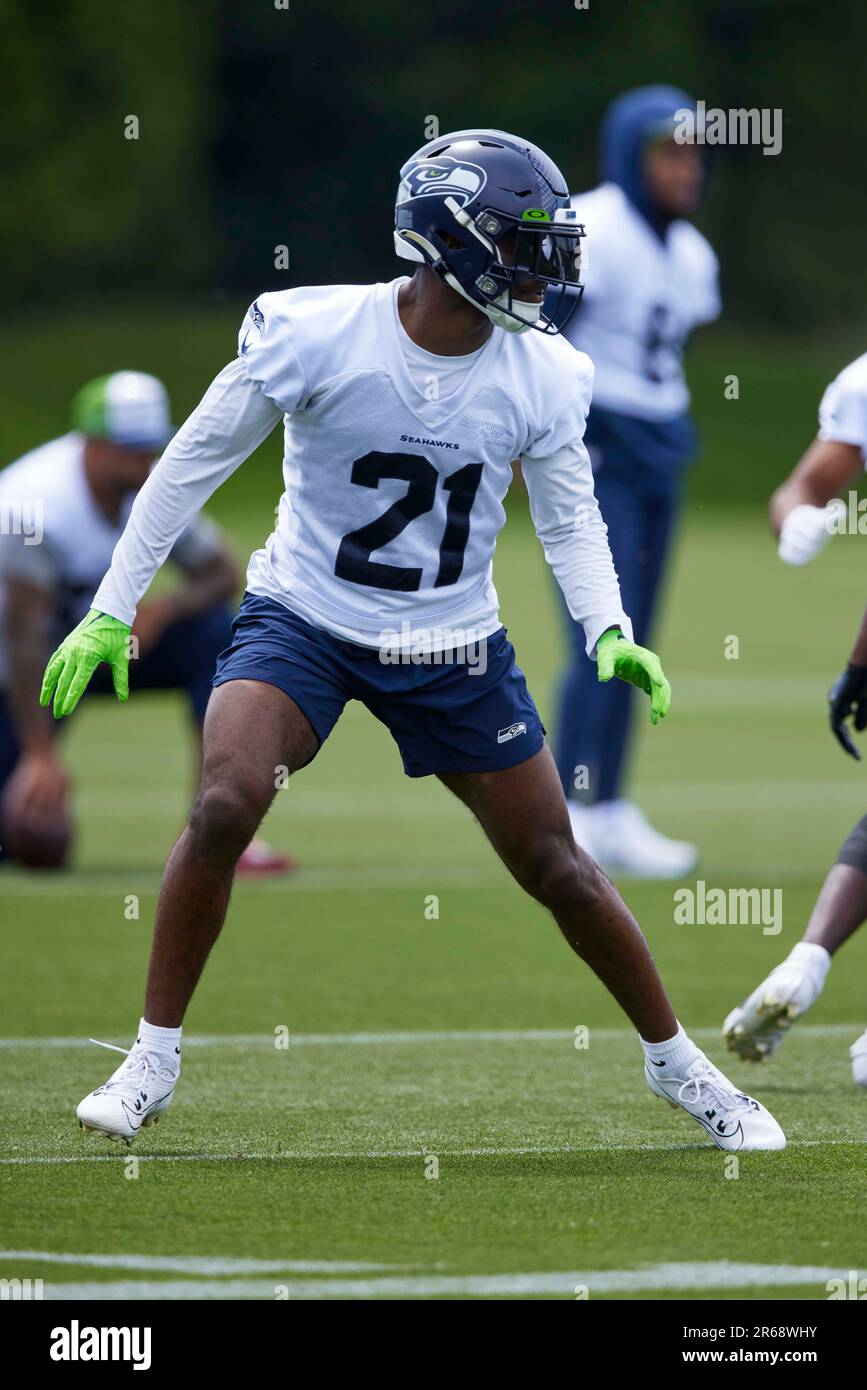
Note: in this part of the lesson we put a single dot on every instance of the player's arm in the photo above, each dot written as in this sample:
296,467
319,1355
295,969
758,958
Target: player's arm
574,538
29,574
41,780
207,582
802,507
825,470
232,420
799,509
27,613
210,577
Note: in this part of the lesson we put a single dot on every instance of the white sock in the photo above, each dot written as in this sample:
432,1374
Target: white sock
814,956
669,1058
165,1040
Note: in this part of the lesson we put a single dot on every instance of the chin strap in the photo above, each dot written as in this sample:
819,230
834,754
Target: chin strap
499,316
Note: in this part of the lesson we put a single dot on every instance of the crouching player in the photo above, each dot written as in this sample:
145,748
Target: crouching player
388,521
802,512
63,507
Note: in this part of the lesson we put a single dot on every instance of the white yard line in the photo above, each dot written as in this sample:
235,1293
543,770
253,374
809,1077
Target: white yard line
689,1277
403,1038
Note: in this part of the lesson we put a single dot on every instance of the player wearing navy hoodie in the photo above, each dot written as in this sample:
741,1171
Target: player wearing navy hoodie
651,277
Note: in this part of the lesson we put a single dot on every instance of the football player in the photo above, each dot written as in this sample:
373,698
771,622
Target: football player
404,405
805,511
63,508
651,279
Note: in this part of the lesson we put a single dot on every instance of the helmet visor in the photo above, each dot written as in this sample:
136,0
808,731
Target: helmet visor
543,253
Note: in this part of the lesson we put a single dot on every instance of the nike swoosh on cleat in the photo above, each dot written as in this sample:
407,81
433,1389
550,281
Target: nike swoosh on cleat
137,1118
735,1134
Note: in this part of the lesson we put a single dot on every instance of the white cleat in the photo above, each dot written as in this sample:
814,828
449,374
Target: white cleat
858,1053
623,841
581,820
755,1029
733,1120
134,1096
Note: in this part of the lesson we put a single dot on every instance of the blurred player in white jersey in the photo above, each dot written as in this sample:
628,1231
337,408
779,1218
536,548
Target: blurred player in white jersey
806,510
404,405
651,278
63,508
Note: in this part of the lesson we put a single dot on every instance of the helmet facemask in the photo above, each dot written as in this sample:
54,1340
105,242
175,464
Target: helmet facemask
534,250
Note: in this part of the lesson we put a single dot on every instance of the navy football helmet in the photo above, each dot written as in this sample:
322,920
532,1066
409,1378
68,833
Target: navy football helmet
490,214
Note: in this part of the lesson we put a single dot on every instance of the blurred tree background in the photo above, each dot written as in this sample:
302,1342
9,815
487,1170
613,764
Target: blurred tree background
263,124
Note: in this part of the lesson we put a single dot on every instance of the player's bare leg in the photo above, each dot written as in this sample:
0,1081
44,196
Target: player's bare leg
523,813
251,729
528,825
259,860
755,1029
840,908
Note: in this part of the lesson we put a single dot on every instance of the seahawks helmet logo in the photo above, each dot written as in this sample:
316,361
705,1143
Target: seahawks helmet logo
442,178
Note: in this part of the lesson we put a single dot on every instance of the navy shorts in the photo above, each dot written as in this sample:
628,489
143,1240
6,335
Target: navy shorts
446,716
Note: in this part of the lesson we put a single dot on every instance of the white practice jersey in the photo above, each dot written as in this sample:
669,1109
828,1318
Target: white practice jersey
54,536
843,408
395,468
642,298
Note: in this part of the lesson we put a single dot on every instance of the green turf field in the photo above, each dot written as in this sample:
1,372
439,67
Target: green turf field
418,1044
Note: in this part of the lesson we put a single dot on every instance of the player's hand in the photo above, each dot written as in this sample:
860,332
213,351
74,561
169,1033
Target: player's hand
848,696
807,530
615,656
97,638
38,789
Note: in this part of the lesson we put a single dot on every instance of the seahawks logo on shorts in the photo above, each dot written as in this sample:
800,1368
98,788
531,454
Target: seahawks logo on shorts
503,735
443,177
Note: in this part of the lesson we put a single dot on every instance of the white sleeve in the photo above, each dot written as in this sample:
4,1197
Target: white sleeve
843,410
575,539
231,421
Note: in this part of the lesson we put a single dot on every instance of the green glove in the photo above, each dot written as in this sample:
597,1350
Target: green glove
615,656
97,638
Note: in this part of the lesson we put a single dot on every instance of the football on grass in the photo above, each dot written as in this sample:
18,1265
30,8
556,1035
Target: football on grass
36,845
